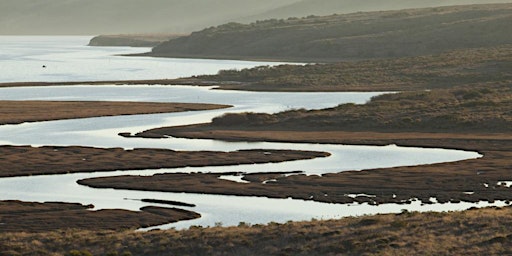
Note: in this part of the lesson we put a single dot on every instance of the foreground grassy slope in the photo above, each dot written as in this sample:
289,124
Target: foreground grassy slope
473,232
410,32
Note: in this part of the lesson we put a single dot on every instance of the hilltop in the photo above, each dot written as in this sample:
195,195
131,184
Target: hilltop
385,34
305,8
83,17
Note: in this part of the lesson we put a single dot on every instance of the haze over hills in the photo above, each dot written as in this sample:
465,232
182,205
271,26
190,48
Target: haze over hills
410,32
304,8
85,17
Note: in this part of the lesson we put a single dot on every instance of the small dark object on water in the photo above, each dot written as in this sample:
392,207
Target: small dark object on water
175,203
44,66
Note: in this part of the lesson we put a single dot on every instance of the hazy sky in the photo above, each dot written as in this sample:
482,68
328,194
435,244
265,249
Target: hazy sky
92,17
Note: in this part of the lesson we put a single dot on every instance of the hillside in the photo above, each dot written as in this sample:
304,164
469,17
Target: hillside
84,17
464,67
473,232
304,8
411,32
137,40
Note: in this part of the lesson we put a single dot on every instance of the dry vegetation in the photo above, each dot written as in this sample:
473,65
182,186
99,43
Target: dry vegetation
476,118
465,67
455,68
16,216
472,232
470,180
468,106
388,34
15,112
486,109
477,109
61,160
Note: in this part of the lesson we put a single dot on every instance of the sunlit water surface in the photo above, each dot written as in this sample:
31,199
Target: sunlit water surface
68,60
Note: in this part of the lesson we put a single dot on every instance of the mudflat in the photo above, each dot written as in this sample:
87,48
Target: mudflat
15,112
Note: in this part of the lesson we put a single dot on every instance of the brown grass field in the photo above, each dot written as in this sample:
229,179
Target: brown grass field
16,216
473,232
15,112
61,160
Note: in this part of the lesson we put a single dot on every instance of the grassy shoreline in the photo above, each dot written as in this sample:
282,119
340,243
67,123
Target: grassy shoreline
16,112
472,232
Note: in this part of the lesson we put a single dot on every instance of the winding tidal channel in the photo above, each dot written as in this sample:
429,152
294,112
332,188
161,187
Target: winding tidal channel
103,132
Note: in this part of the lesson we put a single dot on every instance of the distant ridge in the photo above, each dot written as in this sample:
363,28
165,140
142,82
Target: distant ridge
305,8
94,17
146,40
409,32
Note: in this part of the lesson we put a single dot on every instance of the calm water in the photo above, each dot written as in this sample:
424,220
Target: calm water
68,60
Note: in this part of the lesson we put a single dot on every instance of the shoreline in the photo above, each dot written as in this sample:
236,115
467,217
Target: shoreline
456,181
48,160
17,112
18,216
219,85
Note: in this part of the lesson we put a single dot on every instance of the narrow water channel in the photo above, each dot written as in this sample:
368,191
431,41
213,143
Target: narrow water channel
228,210
69,59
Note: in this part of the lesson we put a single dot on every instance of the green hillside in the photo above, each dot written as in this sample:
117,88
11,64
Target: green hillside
410,32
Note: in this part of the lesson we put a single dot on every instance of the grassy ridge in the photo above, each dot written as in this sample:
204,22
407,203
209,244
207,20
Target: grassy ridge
387,34
473,232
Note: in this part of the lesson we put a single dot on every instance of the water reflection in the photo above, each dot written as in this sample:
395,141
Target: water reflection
229,210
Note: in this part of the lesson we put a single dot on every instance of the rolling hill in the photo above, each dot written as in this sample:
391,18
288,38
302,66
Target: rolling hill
305,8
85,17
384,34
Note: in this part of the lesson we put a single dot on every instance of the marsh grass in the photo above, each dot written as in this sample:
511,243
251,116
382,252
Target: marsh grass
464,109
472,232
